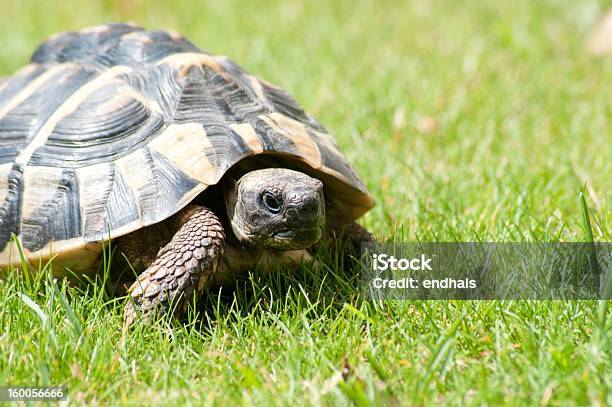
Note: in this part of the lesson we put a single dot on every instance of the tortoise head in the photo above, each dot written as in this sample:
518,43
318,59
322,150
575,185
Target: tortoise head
276,208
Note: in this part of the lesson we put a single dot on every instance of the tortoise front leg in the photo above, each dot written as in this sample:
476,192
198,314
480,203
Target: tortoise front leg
344,238
350,232
182,267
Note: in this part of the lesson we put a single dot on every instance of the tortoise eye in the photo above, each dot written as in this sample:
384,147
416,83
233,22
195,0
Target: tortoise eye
271,202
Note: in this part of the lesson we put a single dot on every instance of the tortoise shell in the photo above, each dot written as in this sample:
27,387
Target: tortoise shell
113,128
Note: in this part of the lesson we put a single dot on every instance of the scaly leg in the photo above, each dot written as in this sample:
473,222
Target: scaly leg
350,231
182,268
345,238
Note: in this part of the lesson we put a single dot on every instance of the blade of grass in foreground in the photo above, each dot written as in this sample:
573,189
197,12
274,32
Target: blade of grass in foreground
600,340
605,286
44,318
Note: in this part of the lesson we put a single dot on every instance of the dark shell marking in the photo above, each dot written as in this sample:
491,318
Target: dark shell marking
113,128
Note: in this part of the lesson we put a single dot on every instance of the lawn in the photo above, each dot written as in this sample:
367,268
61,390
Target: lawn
468,122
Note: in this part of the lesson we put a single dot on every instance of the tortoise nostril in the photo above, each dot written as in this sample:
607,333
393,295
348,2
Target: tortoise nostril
310,206
292,213
306,210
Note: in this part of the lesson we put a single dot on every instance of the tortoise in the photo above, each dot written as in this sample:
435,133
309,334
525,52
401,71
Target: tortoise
185,161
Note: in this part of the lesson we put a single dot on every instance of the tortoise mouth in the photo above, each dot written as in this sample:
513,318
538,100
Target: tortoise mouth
284,234
301,238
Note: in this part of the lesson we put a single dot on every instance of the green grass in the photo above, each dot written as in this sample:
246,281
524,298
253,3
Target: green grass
477,121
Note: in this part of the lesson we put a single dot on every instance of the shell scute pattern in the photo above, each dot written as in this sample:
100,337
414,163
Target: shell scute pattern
20,124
